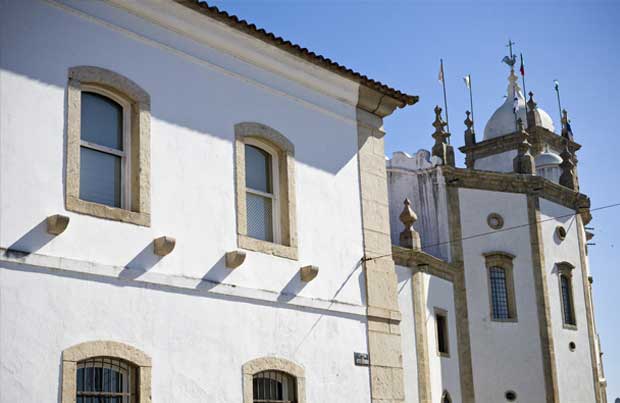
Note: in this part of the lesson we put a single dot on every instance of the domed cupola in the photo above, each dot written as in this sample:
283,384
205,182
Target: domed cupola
548,165
503,120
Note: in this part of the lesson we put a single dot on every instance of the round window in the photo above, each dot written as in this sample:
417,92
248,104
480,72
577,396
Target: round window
495,221
561,232
572,346
511,396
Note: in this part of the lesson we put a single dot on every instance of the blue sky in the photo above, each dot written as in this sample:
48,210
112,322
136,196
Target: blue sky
400,43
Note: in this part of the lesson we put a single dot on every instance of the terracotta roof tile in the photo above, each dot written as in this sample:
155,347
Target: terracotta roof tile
294,49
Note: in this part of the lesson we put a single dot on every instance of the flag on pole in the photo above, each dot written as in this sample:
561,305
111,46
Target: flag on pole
440,78
522,68
467,80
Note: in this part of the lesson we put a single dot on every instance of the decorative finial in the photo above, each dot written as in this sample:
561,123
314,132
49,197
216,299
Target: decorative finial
470,136
409,238
441,148
524,163
568,177
567,131
532,121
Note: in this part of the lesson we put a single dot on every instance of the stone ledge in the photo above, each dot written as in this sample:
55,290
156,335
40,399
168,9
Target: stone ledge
110,213
270,248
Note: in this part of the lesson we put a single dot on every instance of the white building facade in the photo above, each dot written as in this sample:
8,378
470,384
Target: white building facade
195,210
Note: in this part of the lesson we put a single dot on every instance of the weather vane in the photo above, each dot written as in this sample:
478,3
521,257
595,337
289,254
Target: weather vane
512,59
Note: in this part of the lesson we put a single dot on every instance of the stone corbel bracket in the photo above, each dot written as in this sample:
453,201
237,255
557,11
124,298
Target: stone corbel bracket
163,245
57,223
235,259
308,273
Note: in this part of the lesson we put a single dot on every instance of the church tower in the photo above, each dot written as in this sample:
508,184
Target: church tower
503,256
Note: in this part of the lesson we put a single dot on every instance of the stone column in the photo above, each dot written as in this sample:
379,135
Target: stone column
384,344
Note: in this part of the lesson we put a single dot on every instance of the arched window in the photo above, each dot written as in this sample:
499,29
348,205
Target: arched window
445,397
104,147
105,372
273,379
273,386
105,379
262,191
265,190
108,146
499,293
565,271
501,286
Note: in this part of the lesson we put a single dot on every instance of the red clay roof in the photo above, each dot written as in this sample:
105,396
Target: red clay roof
294,49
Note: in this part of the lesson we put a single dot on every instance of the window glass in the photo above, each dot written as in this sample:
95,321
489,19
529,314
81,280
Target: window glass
442,333
259,217
273,386
257,169
567,302
100,177
499,293
101,121
105,380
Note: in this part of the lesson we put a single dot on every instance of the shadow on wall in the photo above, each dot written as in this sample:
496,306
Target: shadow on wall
216,275
227,99
143,262
33,240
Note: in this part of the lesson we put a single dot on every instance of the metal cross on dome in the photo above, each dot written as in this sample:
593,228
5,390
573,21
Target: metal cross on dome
512,59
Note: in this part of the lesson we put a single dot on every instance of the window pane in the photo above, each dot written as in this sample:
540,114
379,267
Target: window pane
499,294
101,121
442,343
257,169
259,217
100,177
567,302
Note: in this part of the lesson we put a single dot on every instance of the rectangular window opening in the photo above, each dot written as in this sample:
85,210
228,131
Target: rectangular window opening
441,321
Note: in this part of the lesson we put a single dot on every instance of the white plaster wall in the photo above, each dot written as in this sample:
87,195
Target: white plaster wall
195,105
575,380
505,355
444,371
501,162
198,339
407,331
198,343
427,192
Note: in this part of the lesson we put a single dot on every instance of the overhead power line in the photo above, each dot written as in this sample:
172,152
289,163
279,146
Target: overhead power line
483,234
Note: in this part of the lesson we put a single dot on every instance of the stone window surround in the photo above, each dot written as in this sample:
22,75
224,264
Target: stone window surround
257,365
140,104
101,348
439,311
287,248
566,269
502,260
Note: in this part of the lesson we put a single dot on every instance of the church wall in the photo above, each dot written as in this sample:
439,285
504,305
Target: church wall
427,192
501,162
505,355
407,330
444,370
198,94
575,381
198,341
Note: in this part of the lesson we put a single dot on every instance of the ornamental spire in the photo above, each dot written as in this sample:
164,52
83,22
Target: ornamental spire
441,148
524,163
568,177
409,237
470,136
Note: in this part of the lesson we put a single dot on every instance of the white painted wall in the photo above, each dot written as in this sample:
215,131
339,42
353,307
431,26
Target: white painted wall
505,355
197,95
407,331
501,162
575,378
444,370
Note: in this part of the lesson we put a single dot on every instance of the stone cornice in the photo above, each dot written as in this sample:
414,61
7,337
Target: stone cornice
422,261
517,183
538,137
